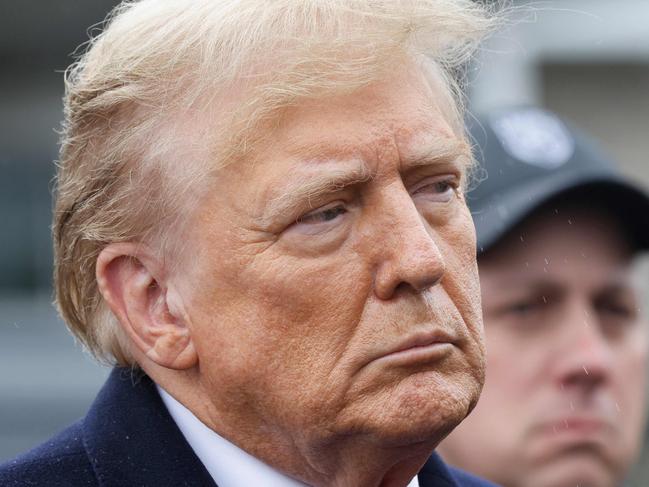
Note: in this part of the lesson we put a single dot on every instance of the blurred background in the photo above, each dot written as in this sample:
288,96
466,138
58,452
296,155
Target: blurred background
588,60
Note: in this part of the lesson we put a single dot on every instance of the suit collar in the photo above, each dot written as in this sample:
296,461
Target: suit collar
131,439
436,474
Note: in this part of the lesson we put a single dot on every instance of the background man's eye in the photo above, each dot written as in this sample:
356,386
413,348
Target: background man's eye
619,311
524,309
617,306
322,216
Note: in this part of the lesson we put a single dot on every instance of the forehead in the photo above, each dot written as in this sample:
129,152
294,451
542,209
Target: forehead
578,245
406,111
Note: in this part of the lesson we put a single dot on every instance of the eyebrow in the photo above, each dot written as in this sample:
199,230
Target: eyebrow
436,151
308,187
540,284
350,172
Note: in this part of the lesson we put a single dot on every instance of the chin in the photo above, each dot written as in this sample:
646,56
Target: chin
580,470
424,409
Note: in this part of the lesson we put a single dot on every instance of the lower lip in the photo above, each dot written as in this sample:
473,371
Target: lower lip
424,353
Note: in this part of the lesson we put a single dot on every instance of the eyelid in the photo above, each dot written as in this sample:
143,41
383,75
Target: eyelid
322,209
616,306
515,305
451,179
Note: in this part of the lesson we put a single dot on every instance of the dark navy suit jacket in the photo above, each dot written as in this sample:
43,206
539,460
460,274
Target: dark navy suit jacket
129,439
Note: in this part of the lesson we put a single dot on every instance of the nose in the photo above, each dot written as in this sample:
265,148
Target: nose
586,358
410,256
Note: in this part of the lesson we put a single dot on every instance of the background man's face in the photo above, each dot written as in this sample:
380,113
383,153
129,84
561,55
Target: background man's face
564,397
324,270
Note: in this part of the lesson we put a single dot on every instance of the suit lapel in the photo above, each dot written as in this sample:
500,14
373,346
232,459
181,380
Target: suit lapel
131,439
435,474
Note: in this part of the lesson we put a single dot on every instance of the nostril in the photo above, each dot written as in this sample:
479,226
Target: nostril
432,281
584,377
409,273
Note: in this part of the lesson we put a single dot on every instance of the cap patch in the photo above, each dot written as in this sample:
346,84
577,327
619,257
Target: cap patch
534,137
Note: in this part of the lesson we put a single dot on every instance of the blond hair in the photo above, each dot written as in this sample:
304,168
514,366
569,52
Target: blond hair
129,162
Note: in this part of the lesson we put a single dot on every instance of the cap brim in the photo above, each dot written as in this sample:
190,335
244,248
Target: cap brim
496,217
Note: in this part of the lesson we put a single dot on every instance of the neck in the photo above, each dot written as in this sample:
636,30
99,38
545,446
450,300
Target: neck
364,466
351,460
344,463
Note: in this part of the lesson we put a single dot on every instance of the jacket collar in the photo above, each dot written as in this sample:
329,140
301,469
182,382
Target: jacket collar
436,474
131,439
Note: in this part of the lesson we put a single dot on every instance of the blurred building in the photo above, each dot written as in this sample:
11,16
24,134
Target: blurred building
588,60
46,382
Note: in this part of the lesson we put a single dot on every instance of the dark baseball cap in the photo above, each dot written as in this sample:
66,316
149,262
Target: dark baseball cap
528,157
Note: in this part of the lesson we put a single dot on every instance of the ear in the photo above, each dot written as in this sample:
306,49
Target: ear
131,280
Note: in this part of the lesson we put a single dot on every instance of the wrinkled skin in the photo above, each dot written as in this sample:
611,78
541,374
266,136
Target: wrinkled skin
563,403
297,299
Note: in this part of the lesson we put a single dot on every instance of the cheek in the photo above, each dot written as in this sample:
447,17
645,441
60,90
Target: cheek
461,279
307,289
460,248
509,372
631,377
629,391
295,316
461,283
304,310
504,405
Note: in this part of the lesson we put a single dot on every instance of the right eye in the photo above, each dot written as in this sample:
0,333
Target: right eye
322,215
523,308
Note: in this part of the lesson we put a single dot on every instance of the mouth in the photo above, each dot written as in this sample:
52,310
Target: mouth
578,428
419,347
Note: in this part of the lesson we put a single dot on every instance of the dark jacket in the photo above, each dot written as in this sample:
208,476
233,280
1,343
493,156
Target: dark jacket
129,439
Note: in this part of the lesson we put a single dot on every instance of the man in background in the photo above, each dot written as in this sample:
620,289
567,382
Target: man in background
558,232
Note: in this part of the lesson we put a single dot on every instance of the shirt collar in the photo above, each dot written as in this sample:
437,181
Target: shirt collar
229,465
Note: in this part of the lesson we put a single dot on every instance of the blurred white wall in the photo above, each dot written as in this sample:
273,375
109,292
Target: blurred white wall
586,59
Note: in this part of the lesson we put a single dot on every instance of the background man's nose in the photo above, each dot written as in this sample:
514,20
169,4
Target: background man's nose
411,258
586,358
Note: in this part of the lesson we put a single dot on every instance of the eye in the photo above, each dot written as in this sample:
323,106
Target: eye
616,313
621,311
322,215
437,189
524,308
527,310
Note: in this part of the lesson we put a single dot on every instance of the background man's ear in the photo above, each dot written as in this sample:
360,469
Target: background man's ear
131,279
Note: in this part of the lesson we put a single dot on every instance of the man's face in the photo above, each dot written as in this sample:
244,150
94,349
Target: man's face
564,397
331,283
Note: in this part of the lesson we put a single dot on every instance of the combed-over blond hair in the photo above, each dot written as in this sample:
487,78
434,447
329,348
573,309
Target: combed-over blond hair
134,148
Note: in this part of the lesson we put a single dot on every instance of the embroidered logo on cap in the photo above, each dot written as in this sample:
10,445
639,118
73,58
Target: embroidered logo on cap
535,137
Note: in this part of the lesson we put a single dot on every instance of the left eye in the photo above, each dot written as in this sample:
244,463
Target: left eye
437,190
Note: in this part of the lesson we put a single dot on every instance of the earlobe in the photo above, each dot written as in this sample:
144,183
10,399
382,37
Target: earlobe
132,282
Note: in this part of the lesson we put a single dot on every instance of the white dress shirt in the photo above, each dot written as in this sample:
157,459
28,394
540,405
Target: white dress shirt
228,464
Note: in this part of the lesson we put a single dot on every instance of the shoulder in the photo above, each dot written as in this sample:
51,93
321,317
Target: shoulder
436,473
60,461
465,479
